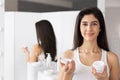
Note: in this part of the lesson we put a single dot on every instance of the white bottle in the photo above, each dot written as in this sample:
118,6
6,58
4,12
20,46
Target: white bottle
48,60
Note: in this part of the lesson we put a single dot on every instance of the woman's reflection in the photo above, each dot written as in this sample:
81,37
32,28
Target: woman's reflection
46,43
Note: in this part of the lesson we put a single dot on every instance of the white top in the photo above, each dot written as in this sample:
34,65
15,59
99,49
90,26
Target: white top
34,67
83,72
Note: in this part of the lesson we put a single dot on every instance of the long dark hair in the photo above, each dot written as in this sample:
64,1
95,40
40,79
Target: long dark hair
101,39
46,37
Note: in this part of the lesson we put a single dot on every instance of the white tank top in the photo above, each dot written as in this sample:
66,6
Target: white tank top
83,72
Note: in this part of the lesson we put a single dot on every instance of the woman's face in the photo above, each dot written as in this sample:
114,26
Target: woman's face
89,27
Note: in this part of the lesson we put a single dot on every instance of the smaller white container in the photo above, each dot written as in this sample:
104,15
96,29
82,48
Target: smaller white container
65,60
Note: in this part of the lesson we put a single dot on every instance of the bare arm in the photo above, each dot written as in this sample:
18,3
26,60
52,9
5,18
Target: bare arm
114,66
100,76
66,70
36,50
27,53
113,63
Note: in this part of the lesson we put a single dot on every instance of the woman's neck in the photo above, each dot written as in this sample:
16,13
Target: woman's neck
89,46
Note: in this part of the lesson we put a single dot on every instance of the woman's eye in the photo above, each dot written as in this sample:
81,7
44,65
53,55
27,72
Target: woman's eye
94,24
84,24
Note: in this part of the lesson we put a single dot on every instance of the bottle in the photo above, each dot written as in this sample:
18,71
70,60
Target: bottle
48,60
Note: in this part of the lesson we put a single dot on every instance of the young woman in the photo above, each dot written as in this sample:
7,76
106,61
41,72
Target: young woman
90,45
46,42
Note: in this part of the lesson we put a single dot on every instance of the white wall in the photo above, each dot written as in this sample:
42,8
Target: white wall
1,39
101,5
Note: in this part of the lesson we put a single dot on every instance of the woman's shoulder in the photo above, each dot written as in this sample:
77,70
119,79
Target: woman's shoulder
112,57
67,54
113,65
36,45
37,48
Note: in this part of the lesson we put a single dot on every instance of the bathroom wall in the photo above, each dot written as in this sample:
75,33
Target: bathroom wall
1,38
112,18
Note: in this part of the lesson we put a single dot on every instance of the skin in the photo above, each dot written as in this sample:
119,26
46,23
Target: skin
90,29
36,51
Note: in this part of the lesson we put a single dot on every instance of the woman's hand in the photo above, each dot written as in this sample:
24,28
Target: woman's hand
68,68
66,65
100,76
25,50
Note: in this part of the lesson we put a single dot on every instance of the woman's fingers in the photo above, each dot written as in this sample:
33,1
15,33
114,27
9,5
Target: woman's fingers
102,75
68,67
25,50
72,65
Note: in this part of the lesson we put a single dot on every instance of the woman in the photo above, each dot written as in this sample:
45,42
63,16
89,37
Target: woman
46,42
90,45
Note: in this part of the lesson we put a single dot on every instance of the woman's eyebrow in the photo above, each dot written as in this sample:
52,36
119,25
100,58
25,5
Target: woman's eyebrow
84,22
95,21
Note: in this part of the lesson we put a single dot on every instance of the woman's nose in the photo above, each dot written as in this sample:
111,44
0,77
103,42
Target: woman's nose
89,27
